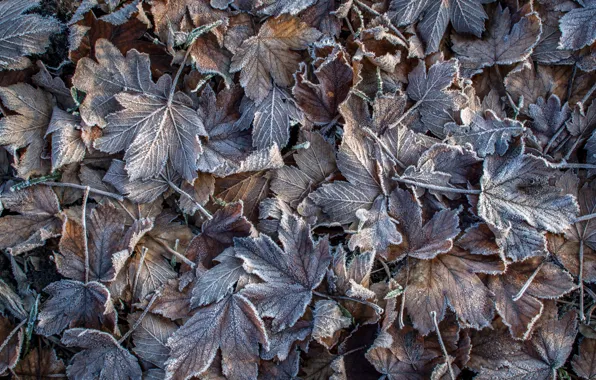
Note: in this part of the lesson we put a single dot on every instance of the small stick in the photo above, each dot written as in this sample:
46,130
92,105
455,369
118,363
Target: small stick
572,165
83,187
433,315
584,218
138,321
184,193
403,295
85,240
588,94
528,282
139,269
438,188
582,316
385,19
328,296
369,132
176,253
552,139
14,331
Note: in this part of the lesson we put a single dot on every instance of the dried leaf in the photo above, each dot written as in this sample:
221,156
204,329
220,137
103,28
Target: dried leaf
328,320
577,26
9,355
150,338
584,364
40,364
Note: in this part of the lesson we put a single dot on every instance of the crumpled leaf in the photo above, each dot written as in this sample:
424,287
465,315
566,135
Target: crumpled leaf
269,55
376,230
23,34
487,134
584,364
10,353
320,101
231,325
328,321
27,128
504,43
40,364
102,356
420,241
75,304
67,143
289,275
38,220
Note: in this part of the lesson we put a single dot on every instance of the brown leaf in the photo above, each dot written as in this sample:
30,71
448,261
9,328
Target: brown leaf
584,364
269,55
151,336
10,353
40,364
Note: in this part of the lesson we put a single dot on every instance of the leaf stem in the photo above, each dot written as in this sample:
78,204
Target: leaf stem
403,295
84,225
385,20
572,165
14,331
140,319
402,117
369,132
139,269
438,188
184,259
83,187
588,94
582,316
584,218
346,298
528,282
433,315
191,198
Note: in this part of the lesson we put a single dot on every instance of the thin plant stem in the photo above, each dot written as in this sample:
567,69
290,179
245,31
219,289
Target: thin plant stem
403,117
528,282
144,251
11,334
328,296
573,165
184,193
588,94
403,295
580,275
85,240
369,132
83,187
354,350
584,218
554,138
433,315
183,258
385,20
140,319
438,188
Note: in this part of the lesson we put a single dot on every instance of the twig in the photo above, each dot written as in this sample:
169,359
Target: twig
369,132
403,117
580,275
588,94
384,264
83,187
572,165
403,295
139,269
553,138
438,188
354,350
528,282
433,315
385,20
140,319
328,296
34,181
184,259
190,197
85,240
14,331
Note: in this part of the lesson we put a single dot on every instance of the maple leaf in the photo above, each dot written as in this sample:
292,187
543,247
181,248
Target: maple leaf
467,16
505,44
53,85
27,128
548,281
40,364
151,336
99,349
270,54
314,165
322,15
538,357
231,325
270,118
340,200
487,134
420,241
110,244
516,191
289,275
154,127
584,364
430,91
328,320
548,117
23,34
110,75
282,343
577,26
11,351
38,220
75,304
450,279
320,101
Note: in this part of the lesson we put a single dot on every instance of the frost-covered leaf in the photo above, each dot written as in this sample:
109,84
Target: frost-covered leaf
277,8
584,363
75,304
38,220
27,128
216,283
487,134
9,355
40,364
420,241
328,321
504,43
233,326
548,117
151,336
578,26
102,356
289,275
23,34
376,230
67,143
320,101
269,55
